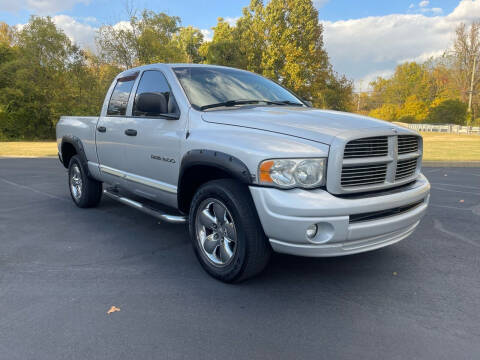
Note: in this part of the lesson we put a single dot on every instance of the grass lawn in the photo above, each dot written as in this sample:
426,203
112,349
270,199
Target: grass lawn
28,149
451,147
437,146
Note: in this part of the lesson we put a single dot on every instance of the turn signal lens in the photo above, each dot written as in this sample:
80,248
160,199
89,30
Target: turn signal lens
264,173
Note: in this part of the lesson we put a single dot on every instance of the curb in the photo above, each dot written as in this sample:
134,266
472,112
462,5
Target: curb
459,164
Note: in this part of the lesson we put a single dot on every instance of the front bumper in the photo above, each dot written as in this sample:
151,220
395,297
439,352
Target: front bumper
286,214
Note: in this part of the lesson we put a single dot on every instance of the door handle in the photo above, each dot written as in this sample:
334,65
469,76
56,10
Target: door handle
131,132
101,129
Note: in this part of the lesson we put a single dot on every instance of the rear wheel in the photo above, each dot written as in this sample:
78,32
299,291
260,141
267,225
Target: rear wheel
85,191
227,236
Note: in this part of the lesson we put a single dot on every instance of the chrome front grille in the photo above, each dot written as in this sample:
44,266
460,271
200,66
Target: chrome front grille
378,162
406,168
407,144
366,147
364,175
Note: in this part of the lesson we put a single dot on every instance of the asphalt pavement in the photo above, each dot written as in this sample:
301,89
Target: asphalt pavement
62,269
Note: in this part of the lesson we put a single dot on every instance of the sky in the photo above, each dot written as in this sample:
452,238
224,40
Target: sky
364,39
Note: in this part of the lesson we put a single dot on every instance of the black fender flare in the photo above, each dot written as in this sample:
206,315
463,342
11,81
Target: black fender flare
78,145
227,163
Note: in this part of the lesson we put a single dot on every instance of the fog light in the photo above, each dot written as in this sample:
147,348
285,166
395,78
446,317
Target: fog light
312,231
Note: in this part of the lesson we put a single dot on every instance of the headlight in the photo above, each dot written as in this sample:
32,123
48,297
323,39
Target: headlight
290,173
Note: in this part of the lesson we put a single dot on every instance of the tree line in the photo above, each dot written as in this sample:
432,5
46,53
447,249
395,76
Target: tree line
43,75
442,90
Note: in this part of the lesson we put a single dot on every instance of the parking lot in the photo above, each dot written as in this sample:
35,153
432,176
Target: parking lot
62,268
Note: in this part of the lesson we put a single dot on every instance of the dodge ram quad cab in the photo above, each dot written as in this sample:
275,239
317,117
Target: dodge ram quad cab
248,165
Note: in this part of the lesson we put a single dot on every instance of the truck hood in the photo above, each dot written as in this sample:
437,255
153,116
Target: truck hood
307,123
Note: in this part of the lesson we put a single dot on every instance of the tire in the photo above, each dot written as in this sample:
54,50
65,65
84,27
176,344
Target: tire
85,191
229,243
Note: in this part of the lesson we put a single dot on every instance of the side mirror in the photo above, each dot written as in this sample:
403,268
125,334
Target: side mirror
152,104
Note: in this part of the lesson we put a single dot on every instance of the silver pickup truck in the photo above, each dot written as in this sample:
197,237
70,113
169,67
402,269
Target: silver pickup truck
248,165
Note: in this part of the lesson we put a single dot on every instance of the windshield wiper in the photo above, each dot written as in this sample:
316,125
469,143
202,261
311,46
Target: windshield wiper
230,103
284,102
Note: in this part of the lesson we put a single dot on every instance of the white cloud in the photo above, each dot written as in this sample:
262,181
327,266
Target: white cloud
424,3
207,34
435,11
423,57
80,33
467,11
232,21
40,7
363,48
123,25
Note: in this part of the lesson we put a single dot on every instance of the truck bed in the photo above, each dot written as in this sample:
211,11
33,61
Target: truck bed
82,127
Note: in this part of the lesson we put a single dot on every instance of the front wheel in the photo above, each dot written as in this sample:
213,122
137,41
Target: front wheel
85,191
226,233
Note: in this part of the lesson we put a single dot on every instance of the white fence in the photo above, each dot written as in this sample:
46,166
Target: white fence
451,129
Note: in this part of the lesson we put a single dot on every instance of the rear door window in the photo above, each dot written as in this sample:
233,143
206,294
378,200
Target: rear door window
119,99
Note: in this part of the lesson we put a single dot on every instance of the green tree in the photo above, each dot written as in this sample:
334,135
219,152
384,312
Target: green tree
224,47
44,76
117,45
448,112
190,40
6,34
388,112
34,97
150,38
413,110
409,79
294,54
251,36
154,41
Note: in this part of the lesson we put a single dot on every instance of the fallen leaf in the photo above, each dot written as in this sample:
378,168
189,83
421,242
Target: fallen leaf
113,309
395,273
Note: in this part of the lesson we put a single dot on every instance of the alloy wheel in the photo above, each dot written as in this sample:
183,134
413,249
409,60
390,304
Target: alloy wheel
216,233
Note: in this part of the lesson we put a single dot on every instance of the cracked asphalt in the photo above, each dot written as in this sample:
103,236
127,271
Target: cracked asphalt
62,268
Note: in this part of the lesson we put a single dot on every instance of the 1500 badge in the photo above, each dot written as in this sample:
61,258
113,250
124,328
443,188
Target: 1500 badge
163,158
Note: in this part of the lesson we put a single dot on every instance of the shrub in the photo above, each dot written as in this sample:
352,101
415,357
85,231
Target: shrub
448,112
413,110
387,112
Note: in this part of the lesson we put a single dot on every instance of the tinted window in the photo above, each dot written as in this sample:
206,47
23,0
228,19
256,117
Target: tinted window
154,97
210,85
121,93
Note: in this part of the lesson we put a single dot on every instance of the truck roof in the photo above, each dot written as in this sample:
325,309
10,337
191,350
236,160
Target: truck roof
172,65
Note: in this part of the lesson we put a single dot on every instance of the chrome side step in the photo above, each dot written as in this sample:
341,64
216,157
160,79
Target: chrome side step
174,219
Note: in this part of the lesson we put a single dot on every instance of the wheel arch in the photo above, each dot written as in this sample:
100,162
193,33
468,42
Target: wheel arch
201,166
71,146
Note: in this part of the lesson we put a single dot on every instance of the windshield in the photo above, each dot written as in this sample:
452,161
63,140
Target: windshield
206,86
